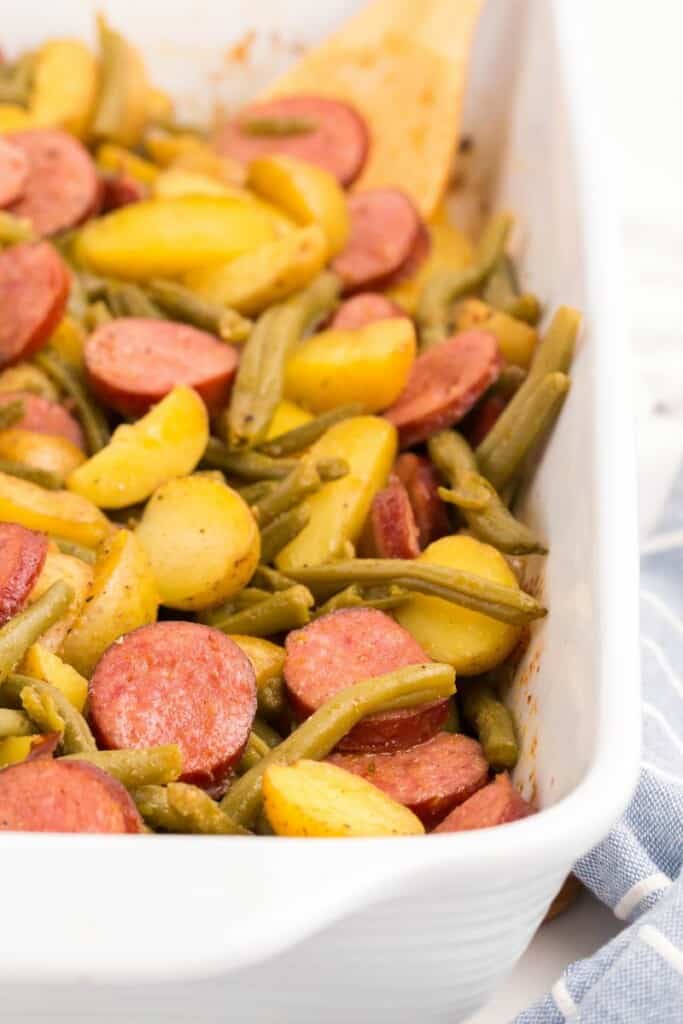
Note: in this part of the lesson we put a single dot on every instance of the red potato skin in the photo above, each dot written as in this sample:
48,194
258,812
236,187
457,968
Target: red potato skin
430,779
176,682
390,531
444,384
419,478
482,418
133,362
22,557
339,144
343,648
46,795
495,804
34,288
385,226
13,172
364,308
45,417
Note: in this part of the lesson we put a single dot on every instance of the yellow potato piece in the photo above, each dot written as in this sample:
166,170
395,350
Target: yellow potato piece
202,542
68,340
43,451
168,441
516,339
159,105
58,512
267,658
65,82
266,274
339,509
313,798
310,195
14,749
121,110
287,416
27,377
14,118
78,575
120,160
167,237
469,641
369,365
176,182
122,598
41,663
450,248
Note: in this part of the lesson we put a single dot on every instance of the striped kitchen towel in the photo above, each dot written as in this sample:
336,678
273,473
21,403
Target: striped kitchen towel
637,978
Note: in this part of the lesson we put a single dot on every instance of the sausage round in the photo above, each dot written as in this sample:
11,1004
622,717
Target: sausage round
422,246
62,185
390,531
444,383
132,362
495,804
45,795
364,308
482,418
338,141
176,682
384,228
34,287
430,779
345,647
22,557
118,190
13,172
45,417
419,478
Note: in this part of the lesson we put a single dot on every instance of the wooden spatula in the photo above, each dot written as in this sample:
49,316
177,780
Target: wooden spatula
402,63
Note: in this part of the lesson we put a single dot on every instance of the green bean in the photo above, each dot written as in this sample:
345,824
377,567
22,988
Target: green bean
259,383
77,736
42,710
255,749
16,80
263,826
502,284
271,579
492,723
247,465
42,477
93,286
354,596
302,481
24,629
445,286
526,307
277,126
70,547
271,700
246,598
253,493
179,807
287,609
323,730
143,766
265,733
92,418
63,242
182,304
15,723
14,230
452,723
97,314
282,530
493,523
114,83
249,596
129,300
77,305
510,380
11,413
302,437
463,588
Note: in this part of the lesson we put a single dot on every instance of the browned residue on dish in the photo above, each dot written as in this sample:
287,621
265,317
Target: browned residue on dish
240,51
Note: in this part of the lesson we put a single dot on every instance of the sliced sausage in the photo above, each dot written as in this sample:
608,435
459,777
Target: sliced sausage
44,795
365,308
419,478
132,362
495,804
119,190
44,746
480,420
390,530
13,172
422,246
176,682
22,557
62,183
345,647
337,141
430,779
45,417
384,228
34,287
444,383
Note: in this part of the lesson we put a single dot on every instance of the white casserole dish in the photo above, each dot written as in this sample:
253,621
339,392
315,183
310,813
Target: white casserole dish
386,930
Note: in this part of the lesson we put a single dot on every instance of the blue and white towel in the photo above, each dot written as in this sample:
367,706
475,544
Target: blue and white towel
637,978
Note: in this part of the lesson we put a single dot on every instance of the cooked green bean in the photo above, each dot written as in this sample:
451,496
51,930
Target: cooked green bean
265,733
129,300
16,80
91,416
11,413
282,530
15,723
70,547
287,609
363,597
452,723
144,766
114,83
42,710
252,493
302,481
249,596
255,749
77,736
277,126
259,383
445,286
301,437
93,286
41,477
526,307
247,465
179,807
463,588
97,314
271,579
246,598
492,723
182,304
509,381
502,284
24,629
323,730
14,230
271,699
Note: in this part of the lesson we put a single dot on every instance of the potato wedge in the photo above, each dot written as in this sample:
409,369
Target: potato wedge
517,340
65,82
79,576
287,416
58,512
267,658
42,663
14,749
68,340
27,377
119,160
121,109
42,451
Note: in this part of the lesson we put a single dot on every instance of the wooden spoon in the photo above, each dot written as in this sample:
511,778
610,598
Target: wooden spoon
402,64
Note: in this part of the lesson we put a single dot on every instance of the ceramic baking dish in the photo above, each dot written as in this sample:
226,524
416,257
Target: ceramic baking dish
273,930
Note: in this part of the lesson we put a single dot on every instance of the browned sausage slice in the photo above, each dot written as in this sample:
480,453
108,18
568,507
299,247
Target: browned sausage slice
390,531
430,779
176,682
495,804
337,141
119,190
132,362
13,172
62,183
22,556
420,251
480,420
34,287
419,478
365,308
384,227
444,383
44,417
345,647
44,795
